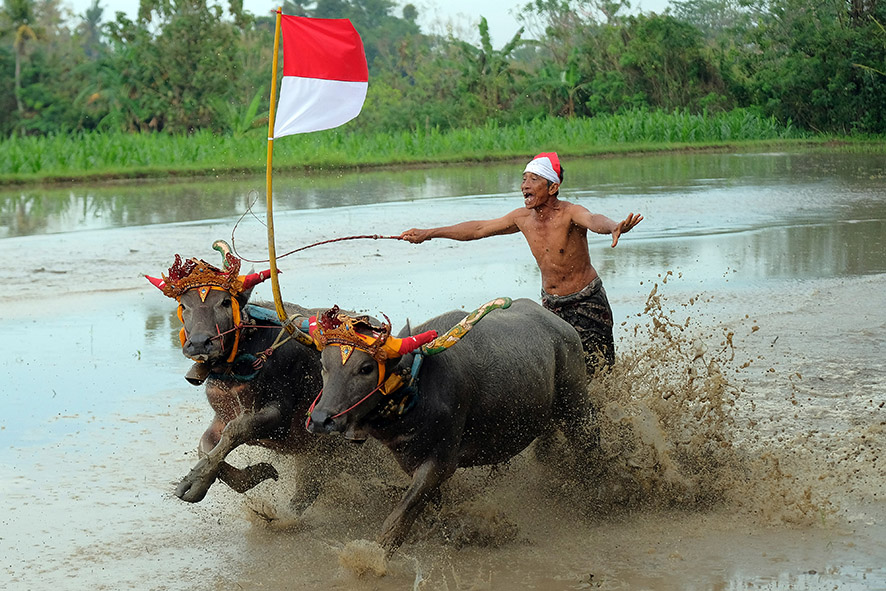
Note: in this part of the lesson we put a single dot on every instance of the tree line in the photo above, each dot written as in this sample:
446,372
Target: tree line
180,66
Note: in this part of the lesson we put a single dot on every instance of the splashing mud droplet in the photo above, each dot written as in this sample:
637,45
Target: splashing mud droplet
363,557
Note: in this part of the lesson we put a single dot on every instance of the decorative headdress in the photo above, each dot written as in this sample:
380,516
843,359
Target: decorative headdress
547,166
197,273
333,327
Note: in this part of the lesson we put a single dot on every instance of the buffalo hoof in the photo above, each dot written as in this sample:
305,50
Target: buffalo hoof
195,485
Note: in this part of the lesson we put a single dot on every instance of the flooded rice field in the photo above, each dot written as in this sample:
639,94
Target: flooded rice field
743,427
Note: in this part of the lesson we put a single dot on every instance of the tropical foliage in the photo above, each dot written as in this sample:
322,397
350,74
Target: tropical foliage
188,66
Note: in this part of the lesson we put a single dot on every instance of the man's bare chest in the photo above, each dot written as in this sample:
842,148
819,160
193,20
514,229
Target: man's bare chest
553,236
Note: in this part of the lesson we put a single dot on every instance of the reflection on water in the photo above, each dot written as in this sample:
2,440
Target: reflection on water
782,215
41,210
836,249
818,180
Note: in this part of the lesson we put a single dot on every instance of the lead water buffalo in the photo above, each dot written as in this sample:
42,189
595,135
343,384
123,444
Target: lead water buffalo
518,374
258,379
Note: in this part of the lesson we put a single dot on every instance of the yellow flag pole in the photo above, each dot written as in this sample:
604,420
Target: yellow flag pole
272,251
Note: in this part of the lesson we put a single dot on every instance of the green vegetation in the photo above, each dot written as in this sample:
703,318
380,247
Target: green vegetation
183,88
97,155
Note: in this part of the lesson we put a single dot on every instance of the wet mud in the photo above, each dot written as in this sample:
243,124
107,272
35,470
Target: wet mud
742,427
736,452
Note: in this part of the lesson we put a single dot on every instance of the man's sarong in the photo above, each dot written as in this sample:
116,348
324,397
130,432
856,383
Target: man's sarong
589,312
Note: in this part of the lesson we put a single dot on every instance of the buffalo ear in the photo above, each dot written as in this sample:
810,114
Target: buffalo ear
252,279
401,364
243,297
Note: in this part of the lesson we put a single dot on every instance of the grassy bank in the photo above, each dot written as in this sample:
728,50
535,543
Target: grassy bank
91,157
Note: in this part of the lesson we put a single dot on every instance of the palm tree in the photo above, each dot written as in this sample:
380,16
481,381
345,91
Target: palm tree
488,70
18,15
90,28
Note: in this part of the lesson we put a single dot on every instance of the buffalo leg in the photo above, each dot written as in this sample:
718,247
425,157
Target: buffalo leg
312,469
426,480
245,427
240,480
244,479
581,428
579,416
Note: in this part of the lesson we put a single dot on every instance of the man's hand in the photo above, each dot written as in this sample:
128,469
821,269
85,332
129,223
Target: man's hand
625,226
415,236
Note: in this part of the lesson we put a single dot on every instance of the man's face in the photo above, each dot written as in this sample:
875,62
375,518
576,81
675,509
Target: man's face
536,190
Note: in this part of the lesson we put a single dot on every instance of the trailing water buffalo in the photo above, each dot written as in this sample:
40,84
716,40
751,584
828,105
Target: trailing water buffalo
518,374
259,381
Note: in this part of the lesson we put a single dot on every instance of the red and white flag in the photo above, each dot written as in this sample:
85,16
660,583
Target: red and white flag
325,77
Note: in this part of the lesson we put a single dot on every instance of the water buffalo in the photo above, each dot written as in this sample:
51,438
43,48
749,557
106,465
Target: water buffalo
259,382
518,374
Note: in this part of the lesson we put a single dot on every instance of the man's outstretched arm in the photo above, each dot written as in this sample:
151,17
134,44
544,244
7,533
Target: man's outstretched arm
601,224
472,230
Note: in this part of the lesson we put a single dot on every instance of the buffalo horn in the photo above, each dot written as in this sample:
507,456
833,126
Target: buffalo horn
254,279
409,344
158,283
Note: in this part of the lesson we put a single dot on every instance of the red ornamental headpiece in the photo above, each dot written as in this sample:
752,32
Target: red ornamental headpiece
185,275
356,332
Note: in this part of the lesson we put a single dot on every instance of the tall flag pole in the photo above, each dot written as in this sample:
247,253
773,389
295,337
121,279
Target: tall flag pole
269,190
325,79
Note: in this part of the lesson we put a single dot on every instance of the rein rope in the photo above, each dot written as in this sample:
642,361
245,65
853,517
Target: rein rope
322,242
263,356
259,359
286,254
347,410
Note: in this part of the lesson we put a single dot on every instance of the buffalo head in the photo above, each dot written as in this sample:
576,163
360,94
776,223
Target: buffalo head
209,323
350,392
358,359
210,303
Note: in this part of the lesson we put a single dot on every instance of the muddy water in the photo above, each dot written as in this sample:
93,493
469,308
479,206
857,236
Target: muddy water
743,429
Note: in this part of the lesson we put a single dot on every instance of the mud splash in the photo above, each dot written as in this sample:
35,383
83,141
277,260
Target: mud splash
678,428
736,450
678,433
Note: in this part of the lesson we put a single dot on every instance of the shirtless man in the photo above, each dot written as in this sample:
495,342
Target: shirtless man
557,235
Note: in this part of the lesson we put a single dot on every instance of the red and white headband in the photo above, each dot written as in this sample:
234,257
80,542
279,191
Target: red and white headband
547,166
